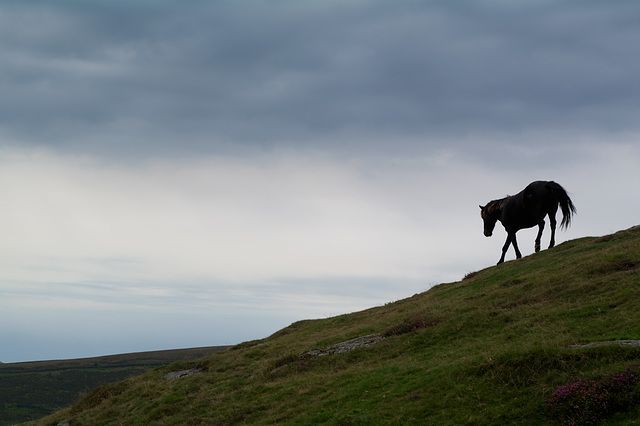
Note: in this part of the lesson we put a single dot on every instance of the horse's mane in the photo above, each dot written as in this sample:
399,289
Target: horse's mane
495,205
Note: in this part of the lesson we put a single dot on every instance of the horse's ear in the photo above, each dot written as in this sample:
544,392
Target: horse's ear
481,207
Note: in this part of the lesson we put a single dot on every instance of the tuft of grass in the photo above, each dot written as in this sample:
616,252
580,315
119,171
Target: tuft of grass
469,275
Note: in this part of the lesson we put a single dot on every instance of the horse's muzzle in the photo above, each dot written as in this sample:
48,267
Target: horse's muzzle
488,233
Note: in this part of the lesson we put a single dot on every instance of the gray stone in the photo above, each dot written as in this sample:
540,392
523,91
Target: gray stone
607,343
346,346
183,373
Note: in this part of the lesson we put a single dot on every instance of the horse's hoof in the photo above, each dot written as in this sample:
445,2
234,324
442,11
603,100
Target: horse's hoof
537,249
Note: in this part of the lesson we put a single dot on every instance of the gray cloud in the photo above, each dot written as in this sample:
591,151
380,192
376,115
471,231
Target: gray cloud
161,77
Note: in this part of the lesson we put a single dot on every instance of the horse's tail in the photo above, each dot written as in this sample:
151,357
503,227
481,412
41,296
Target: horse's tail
566,205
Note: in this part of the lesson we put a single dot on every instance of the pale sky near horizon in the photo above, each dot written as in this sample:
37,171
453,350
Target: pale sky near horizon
197,174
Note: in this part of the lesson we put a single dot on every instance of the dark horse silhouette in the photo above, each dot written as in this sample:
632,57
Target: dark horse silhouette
526,210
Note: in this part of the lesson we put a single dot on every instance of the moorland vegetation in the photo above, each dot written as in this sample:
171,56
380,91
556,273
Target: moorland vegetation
518,343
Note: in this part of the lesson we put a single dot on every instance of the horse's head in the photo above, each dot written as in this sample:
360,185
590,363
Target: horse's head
489,215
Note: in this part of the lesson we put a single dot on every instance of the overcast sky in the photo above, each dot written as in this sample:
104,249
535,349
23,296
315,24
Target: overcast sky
182,174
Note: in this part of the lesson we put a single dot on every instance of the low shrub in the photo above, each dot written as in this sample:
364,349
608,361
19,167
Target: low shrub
469,275
589,402
304,363
407,326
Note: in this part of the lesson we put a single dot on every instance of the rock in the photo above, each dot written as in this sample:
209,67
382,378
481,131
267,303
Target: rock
346,346
607,343
183,373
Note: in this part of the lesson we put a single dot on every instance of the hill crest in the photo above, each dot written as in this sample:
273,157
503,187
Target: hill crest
489,349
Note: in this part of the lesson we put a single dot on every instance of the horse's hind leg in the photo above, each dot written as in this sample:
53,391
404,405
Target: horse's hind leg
540,229
552,222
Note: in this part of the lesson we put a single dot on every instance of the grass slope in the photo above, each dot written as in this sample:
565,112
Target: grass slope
29,390
489,349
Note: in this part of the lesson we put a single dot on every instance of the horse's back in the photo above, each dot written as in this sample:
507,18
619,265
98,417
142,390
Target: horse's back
538,186
540,191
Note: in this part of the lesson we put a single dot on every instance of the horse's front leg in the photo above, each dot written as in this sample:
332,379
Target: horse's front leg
515,245
505,247
540,229
511,239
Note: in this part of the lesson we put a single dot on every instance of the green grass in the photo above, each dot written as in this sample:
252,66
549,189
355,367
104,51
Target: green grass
490,349
30,390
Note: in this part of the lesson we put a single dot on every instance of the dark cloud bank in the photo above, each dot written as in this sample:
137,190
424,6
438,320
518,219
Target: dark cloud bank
148,78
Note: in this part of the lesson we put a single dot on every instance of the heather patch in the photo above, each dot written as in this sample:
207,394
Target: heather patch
589,402
407,326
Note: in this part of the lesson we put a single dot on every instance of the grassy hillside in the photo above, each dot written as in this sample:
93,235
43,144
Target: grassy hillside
490,349
29,390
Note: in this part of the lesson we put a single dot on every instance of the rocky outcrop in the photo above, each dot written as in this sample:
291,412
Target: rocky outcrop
607,343
182,373
346,346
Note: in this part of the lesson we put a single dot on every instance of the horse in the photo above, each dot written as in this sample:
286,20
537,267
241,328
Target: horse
527,209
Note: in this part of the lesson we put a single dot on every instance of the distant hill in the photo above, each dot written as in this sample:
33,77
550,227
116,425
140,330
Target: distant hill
489,349
29,390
